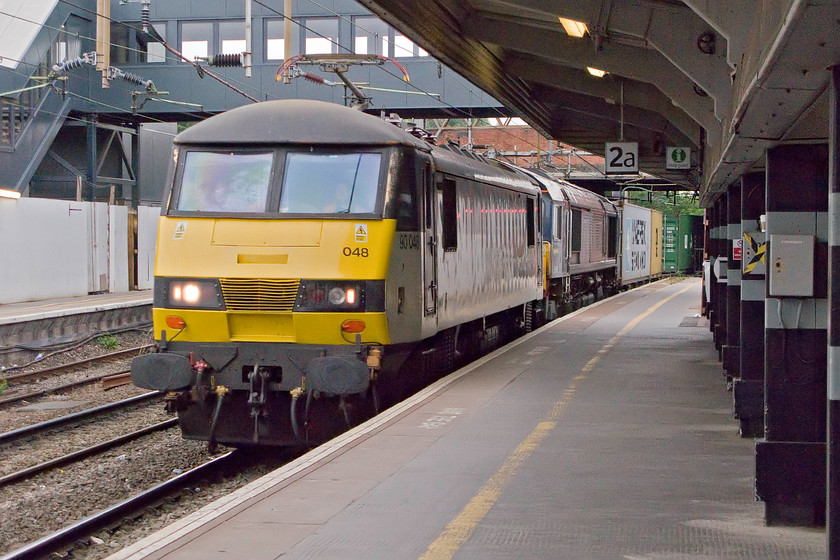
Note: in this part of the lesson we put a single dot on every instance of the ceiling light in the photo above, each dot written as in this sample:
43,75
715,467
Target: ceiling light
595,72
9,194
574,28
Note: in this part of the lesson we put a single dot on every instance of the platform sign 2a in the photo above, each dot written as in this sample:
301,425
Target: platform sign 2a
621,157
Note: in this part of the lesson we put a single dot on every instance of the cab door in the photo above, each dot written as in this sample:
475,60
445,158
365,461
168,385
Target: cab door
430,240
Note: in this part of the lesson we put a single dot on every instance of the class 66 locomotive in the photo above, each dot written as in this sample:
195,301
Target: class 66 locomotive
315,264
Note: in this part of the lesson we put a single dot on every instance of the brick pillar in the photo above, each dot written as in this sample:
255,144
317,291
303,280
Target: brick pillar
732,344
720,268
790,460
749,388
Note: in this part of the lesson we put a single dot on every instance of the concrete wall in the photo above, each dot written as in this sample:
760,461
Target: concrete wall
58,248
147,224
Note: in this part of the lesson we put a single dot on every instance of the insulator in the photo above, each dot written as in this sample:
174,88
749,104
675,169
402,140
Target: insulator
68,65
78,62
225,60
135,79
115,73
313,78
144,16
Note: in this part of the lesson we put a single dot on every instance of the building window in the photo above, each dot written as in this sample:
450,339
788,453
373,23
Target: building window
130,45
231,37
370,36
68,44
275,43
320,36
195,39
120,47
405,47
152,52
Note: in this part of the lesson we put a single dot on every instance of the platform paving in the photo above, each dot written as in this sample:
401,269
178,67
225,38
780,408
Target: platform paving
607,435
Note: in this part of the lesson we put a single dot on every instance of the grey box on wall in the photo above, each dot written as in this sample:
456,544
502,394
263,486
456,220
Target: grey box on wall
791,265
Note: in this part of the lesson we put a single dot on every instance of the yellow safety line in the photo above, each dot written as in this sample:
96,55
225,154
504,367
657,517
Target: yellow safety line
460,528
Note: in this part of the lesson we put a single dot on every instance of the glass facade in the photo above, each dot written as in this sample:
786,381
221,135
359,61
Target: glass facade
370,36
196,37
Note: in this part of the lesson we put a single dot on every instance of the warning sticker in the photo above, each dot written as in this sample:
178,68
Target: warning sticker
737,249
361,233
180,230
755,253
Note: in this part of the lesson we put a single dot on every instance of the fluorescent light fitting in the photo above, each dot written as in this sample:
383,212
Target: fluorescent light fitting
573,28
4,193
595,72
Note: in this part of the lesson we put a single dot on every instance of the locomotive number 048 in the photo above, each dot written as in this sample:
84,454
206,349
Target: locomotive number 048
350,252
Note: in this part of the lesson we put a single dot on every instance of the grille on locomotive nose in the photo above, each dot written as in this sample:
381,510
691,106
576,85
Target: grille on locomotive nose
259,294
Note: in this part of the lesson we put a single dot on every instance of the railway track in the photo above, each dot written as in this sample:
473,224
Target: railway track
29,375
76,418
111,516
85,453
108,380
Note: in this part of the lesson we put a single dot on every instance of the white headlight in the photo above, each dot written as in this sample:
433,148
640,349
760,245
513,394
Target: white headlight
192,293
337,296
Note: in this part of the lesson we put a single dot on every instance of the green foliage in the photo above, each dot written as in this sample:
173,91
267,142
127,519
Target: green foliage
667,203
4,384
182,126
108,341
463,123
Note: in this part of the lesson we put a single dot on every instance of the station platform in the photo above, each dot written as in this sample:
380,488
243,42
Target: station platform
26,326
607,434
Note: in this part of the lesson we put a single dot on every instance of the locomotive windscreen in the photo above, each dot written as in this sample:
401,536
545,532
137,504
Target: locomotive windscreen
330,183
225,182
312,183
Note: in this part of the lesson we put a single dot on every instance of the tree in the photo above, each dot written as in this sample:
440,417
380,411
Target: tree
672,203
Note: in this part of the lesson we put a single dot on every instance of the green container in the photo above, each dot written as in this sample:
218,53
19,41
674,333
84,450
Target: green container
678,243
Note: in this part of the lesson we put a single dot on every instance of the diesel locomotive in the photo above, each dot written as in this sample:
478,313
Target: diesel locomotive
315,262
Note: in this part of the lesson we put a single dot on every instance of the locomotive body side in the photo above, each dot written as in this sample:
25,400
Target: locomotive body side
306,251
489,240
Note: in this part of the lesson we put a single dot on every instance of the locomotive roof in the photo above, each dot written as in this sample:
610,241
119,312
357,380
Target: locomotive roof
297,121
463,164
560,190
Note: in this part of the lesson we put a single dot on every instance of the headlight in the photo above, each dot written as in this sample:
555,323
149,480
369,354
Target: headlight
330,295
338,296
189,293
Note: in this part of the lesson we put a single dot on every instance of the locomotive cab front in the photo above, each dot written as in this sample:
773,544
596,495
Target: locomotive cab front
270,281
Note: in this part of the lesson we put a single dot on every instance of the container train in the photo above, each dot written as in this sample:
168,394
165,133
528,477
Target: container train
315,262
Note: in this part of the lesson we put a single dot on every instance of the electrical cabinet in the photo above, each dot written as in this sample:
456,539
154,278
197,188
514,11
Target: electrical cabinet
791,265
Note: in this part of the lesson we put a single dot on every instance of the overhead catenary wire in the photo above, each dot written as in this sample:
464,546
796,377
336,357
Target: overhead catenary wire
176,53
418,89
171,50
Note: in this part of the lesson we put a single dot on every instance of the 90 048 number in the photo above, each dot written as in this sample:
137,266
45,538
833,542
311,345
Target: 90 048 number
348,252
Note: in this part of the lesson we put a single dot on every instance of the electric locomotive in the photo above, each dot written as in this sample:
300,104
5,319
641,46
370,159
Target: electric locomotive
310,255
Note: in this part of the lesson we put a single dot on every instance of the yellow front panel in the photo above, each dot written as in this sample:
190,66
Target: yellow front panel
323,249
302,328
263,327
260,264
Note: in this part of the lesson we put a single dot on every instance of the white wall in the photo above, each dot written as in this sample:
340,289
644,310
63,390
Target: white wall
118,249
57,248
97,255
147,227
